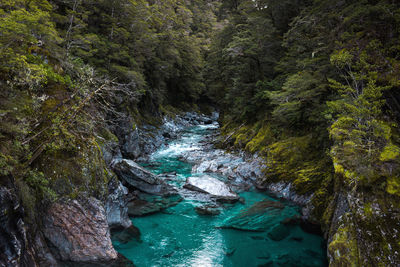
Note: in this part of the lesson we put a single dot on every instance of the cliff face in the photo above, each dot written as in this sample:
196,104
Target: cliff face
74,230
360,223
364,230
14,244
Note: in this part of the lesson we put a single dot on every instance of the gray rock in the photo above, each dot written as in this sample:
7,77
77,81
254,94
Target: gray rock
206,166
214,187
140,178
110,151
284,190
131,145
116,205
79,232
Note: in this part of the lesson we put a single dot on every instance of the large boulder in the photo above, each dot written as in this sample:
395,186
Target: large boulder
212,186
78,231
116,205
140,178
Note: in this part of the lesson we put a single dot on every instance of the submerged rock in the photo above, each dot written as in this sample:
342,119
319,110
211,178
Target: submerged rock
116,205
297,238
257,237
127,235
259,217
214,187
141,207
208,210
140,178
279,232
79,232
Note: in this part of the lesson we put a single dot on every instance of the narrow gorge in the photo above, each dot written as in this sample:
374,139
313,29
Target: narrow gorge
205,222
199,133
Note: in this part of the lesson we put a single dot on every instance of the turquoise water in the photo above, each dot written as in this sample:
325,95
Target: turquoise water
179,236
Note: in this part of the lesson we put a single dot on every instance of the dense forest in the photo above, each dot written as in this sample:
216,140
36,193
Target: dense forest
312,87
308,85
71,68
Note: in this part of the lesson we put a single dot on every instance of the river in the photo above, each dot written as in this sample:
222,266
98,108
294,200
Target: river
179,236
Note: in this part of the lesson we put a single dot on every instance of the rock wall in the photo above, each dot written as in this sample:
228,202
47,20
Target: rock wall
13,239
78,231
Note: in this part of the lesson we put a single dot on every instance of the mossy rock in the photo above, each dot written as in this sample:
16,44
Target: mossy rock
343,247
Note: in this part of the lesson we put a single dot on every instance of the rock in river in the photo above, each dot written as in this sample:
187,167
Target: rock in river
141,178
279,232
79,232
208,210
259,217
212,186
142,207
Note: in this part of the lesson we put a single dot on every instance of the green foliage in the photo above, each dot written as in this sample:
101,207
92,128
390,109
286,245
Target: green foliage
322,77
362,137
27,33
37,181
69,67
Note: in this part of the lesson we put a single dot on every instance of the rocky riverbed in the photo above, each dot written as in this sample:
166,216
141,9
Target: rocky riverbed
190,203
211,213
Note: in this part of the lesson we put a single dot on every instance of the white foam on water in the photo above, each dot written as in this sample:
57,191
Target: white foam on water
187,143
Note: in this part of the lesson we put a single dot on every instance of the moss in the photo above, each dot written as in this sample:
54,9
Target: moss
28,201
368,210
343,247
390,152
309,178
243,135
286,157
259,143
107,135
69,171
169,111
393,185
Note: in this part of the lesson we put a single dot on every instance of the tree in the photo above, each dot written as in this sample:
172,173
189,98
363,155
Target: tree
363,139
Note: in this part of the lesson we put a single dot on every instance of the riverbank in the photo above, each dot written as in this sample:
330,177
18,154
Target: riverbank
202,228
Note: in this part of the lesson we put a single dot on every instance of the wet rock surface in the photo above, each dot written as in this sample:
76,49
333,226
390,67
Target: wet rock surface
79,232
214,187
140,178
